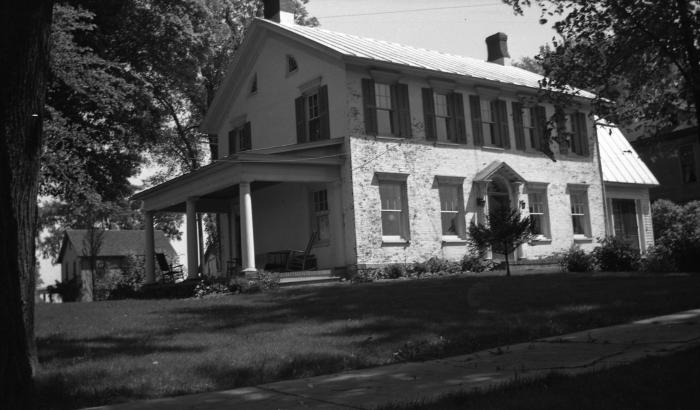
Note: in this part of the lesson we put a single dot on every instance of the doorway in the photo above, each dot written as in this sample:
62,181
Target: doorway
498,199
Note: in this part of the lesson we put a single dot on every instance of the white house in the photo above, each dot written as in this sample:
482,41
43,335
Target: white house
389,151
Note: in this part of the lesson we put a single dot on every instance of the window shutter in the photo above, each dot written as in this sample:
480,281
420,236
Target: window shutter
561,134
582,127
518,125
246,141
301,119
539,116
475,109
232,141
324,116
429,114
369,105
502,123
401,111
460,125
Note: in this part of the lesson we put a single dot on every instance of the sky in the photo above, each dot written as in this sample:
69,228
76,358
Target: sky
452,26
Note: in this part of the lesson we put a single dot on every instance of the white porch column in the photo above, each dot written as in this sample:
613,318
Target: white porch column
150,248
247,239
192,252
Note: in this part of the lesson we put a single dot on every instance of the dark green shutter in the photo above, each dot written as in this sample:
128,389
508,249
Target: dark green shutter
213,146
324,117
401,110
460,125
540,122
502,123
561,135
301,119
475,109
429,114
232,141
581,134
369,105
518,125
246,142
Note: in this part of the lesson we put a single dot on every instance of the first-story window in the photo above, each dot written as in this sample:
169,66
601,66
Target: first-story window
579,213
539,212
452,210
321,218
394,209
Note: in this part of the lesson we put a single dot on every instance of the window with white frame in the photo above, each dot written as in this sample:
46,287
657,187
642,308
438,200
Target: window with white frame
313,119
321,219
539,211
292,65
442,117
529,126
579,212
382,94
451,210
488,121
240,138
392,194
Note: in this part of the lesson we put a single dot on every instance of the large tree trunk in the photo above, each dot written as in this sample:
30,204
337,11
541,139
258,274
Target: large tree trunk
25,54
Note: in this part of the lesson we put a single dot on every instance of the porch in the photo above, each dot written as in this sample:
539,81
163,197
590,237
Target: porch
263,202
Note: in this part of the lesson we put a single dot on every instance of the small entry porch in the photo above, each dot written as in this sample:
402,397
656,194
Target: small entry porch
262,202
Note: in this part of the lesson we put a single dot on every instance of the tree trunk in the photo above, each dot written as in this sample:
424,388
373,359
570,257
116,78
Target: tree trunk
25,49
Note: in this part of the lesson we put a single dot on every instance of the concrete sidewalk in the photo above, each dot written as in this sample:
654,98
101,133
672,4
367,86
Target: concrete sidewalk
574,353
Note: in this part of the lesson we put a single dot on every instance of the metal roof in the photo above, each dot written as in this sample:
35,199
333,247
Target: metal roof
619,161
116,243
382,51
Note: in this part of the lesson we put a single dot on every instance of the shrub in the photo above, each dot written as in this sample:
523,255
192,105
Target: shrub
265,281
616,255
209,285
69,290
179,290
576,260
394,271
473,262
123,283
677,233
439,266
658,259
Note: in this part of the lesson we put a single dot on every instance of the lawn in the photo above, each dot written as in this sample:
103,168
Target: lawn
669,382
108,352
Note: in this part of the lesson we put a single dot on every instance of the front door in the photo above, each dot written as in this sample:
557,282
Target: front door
499,199
625,221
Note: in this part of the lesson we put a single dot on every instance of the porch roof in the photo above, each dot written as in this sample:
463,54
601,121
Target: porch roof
224,174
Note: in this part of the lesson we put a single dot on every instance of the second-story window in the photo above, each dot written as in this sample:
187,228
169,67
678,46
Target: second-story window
313,123
386,108
489,122
240,139
444,116
686,155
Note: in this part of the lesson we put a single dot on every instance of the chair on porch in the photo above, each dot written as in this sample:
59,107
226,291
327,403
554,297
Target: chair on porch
303,260
168,271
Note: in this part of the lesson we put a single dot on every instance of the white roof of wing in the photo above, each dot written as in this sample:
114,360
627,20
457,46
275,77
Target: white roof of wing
383,51
620,161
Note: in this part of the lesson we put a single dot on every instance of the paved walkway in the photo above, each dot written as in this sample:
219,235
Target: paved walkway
365,389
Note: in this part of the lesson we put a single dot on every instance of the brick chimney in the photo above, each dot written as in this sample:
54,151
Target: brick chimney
497,47
279,11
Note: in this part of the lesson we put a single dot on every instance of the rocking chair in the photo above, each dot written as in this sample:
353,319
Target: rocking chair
169,272
303,260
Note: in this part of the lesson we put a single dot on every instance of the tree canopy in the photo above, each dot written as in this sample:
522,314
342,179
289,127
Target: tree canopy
643,56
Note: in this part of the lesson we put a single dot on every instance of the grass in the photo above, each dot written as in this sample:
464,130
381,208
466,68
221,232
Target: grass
668,382
109,352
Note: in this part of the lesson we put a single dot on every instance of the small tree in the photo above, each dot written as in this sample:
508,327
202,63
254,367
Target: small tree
504,227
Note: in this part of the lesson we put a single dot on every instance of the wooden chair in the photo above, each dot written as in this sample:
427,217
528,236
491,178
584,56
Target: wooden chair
303,260
169,272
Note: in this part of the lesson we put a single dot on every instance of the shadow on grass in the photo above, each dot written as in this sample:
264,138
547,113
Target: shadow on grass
366,324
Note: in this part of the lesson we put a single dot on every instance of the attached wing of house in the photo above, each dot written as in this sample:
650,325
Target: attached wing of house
365,153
